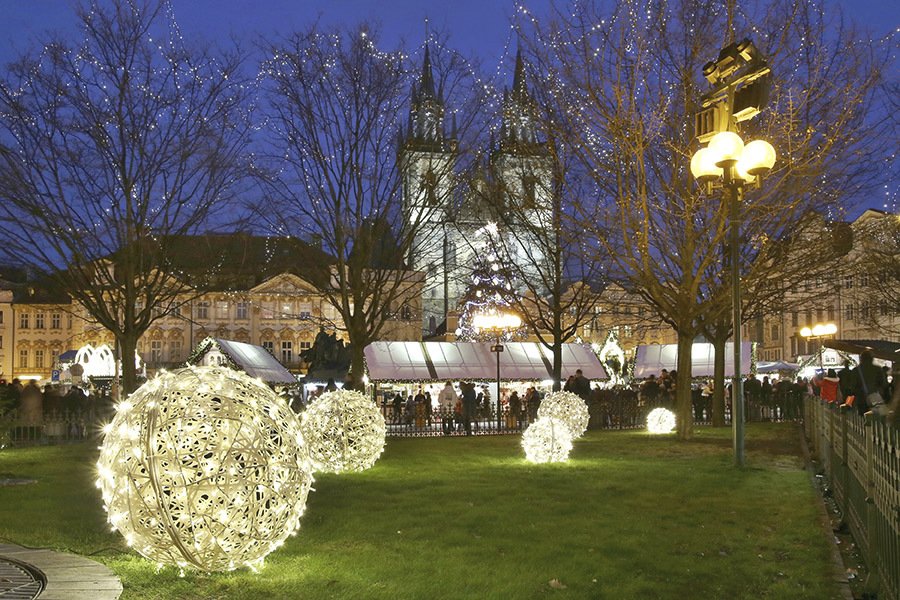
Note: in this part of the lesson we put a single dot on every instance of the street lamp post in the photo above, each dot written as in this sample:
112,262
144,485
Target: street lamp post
819,331
729,164
498,323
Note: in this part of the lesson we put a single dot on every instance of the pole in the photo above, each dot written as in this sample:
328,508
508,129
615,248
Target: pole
499,415
737,386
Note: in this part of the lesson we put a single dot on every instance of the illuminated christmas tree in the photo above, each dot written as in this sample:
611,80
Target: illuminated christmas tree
490,292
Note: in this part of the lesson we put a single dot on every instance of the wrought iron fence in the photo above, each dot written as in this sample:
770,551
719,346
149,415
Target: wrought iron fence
51,427
860,456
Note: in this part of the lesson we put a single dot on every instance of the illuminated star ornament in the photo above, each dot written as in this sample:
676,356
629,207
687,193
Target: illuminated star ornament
568,408
205,469
660,420
547,440
344,431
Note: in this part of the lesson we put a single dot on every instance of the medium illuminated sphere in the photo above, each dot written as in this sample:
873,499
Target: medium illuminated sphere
204,468
660,420
344,431
568,408
547,440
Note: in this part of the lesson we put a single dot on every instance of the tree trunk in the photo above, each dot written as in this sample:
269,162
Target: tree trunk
357,362
557,366
684,417
718,399
128,350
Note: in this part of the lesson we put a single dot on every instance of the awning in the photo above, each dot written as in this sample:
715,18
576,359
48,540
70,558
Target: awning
651,360
882,349
778,366
442,361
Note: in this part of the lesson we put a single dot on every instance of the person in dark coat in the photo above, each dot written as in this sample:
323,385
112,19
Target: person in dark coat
581,386
868,379
469,404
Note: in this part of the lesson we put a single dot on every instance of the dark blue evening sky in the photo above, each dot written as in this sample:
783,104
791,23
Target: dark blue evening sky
480,27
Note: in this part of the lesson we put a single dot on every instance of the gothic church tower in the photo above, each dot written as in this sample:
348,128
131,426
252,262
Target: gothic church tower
427,155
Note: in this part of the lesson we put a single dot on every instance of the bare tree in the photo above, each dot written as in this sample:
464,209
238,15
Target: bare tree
533,191
628,77
109,146
349,175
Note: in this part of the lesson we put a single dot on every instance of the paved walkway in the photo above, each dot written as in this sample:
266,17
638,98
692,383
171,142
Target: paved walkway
66,576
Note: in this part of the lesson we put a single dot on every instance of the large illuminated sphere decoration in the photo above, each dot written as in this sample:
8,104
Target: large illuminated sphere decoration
547,440
568,408
344,431
204,468
660,420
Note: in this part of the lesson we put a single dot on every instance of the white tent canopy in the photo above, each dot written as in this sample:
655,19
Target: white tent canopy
441,361
651,360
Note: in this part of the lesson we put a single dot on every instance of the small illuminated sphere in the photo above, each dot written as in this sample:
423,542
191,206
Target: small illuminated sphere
568,408
660,420
547,440
344,431
204,468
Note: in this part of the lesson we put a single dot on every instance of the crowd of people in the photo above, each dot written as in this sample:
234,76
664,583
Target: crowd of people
52,411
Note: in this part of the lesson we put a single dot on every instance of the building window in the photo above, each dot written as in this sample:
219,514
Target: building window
203,310
269,346
429,188
268,310
795,319
39,320
23,359
864,310
38,359
69,322
776,333
849,313
175,350
831,313
221,311
1,317
55,321
1,341
243,310
156,351
627,331
405,312
305,345
54,358
820,314
848,282
287,352
529,200
24,321
305,310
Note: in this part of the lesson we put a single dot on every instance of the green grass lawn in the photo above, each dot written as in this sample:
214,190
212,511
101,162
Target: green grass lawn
630,516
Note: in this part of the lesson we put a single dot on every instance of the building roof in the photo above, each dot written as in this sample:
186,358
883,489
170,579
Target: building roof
443,361
254,360
882,349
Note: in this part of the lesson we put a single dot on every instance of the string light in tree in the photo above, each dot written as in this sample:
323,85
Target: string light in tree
205,469
548,439
344,430
661,420
567,408
489,293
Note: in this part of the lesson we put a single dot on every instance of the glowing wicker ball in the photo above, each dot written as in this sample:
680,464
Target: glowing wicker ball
547,440
568,408
204,468
660,420
344,431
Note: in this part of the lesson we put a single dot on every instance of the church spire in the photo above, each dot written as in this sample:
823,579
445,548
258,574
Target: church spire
426,81
520,88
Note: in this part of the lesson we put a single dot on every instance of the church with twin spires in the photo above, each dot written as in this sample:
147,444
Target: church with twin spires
461,215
